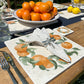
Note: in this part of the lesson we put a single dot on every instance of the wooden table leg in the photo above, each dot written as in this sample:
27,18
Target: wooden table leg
8,1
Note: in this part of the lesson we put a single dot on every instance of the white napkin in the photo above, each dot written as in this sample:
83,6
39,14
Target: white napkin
41,35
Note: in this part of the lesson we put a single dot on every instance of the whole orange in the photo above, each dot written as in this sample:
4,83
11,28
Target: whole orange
55,10
50,3
35,17
38,3
45,16
37,9
26,6
19,13
44,8
26,15
32,4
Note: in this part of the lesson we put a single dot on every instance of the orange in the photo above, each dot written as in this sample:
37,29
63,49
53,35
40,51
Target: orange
32,4
23,53
26,6
32,12
66,45
26,15
51,35
42,61
55,10
50,3
44,8
19,13
35,17
19,48
38,3
37,9
64,60
57,37
45,16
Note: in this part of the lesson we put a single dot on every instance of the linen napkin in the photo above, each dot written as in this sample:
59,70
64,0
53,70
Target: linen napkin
42,36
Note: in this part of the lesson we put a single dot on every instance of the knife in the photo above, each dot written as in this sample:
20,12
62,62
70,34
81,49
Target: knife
11,62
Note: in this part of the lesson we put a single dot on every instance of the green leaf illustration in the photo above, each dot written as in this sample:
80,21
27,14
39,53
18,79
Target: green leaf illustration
52,33
21,40
71,53
31,50
55,64
42,67
62,62
60,66
75,48
53,56
24,45
24,60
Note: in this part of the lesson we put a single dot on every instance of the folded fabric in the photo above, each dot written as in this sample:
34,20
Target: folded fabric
42,36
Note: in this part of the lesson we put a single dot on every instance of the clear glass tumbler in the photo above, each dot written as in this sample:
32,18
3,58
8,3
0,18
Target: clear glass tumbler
4,30
82,5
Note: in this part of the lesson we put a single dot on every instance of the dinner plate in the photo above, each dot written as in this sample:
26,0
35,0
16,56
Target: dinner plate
36,22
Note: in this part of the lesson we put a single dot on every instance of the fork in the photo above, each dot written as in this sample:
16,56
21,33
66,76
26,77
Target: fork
5,66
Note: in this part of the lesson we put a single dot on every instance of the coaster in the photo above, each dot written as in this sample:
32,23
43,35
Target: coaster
63,30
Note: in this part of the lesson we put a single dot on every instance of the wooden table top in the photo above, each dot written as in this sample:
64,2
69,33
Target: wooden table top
69,74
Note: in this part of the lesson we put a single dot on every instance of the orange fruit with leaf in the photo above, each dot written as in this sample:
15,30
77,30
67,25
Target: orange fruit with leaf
23,53
66,45
42,61
57,37
19,47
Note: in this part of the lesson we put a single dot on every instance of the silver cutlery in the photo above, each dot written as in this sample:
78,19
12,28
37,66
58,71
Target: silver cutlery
11,62
5,66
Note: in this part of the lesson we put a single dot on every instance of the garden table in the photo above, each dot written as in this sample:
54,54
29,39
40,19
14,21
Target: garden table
68,75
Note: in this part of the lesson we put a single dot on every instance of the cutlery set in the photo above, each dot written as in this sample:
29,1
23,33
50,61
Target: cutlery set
8,64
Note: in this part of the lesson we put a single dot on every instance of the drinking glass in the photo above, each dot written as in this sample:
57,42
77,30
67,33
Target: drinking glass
75,3
4,30
82,5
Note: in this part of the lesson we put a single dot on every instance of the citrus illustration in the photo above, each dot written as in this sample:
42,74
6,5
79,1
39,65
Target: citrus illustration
22,54
66,45
42,61
19,48
57,37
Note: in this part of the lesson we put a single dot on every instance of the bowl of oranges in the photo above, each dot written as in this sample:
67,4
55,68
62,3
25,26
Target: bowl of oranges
36,13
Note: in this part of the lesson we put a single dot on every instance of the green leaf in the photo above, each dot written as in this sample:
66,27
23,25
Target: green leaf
53,56
64,39
42,67
24,60
71,53
62,62
75,48
21,40
31,50
33,65
24,45
34,62
55,64
52,33
60,66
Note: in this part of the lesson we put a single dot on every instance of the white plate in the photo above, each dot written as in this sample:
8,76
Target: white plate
59,6
36,22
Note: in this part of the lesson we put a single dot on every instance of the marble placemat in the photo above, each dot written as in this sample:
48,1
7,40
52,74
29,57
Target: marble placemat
67,15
